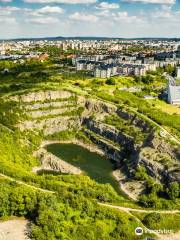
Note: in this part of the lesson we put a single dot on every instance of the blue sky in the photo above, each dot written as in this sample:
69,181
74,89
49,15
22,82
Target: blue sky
111,18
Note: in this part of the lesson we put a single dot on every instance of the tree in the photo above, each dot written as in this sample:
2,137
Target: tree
151,219
173,191
148,79
110,81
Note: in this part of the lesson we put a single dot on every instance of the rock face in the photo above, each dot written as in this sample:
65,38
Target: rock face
99,106
42,96
110,133
51,125
114,144
160,159
49,111
44,113
109,149
44,106
52,104
51,162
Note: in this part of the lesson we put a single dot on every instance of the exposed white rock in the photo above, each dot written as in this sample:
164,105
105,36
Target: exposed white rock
50,162
50,125
37,106
40,113
43,96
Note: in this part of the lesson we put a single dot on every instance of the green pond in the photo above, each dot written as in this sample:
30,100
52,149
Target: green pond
92,164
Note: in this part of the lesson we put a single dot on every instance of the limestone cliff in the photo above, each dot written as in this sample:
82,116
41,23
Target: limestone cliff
55,111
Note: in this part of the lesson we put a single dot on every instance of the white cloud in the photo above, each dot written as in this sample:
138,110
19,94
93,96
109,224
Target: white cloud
7,10
104,13
5,1
120,15
49,9
125,17
7,20
10,9
83,17
106,5
153,1
165,15
62,1
43,20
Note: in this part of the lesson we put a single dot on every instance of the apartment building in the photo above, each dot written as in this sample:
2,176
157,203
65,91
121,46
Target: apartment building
173,92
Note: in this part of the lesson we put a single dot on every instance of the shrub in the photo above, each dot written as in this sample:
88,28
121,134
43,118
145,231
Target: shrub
110,81
173,191
151,219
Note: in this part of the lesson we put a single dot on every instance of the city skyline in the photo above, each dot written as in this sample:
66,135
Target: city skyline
118,18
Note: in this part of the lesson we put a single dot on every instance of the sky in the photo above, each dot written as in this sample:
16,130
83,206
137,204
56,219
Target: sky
105,18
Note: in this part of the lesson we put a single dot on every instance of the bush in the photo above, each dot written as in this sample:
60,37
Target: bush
141,174
173,191
110,81
151,219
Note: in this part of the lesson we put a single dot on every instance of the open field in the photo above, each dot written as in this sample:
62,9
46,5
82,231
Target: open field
165,107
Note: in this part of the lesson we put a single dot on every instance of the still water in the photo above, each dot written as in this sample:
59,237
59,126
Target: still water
92,164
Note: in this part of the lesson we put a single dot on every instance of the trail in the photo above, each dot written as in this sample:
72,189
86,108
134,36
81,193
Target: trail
126,209
25,184
173,236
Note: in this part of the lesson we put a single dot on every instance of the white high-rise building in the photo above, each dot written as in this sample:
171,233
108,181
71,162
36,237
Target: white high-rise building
178,72
173,92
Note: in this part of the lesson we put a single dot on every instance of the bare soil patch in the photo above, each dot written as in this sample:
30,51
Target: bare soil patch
14,230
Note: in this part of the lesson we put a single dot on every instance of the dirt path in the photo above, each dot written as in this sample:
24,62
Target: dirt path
25,184
140,210
173,236
126,209
14,230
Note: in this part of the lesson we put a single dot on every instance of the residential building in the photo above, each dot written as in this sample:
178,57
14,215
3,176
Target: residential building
173,92
178,72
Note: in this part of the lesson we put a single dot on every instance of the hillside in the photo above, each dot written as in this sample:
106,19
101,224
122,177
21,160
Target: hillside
40,105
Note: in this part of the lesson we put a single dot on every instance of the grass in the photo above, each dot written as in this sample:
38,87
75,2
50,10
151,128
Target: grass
166,221
165,107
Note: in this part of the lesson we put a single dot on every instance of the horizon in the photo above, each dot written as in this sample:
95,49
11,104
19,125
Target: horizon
86,37
120,18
